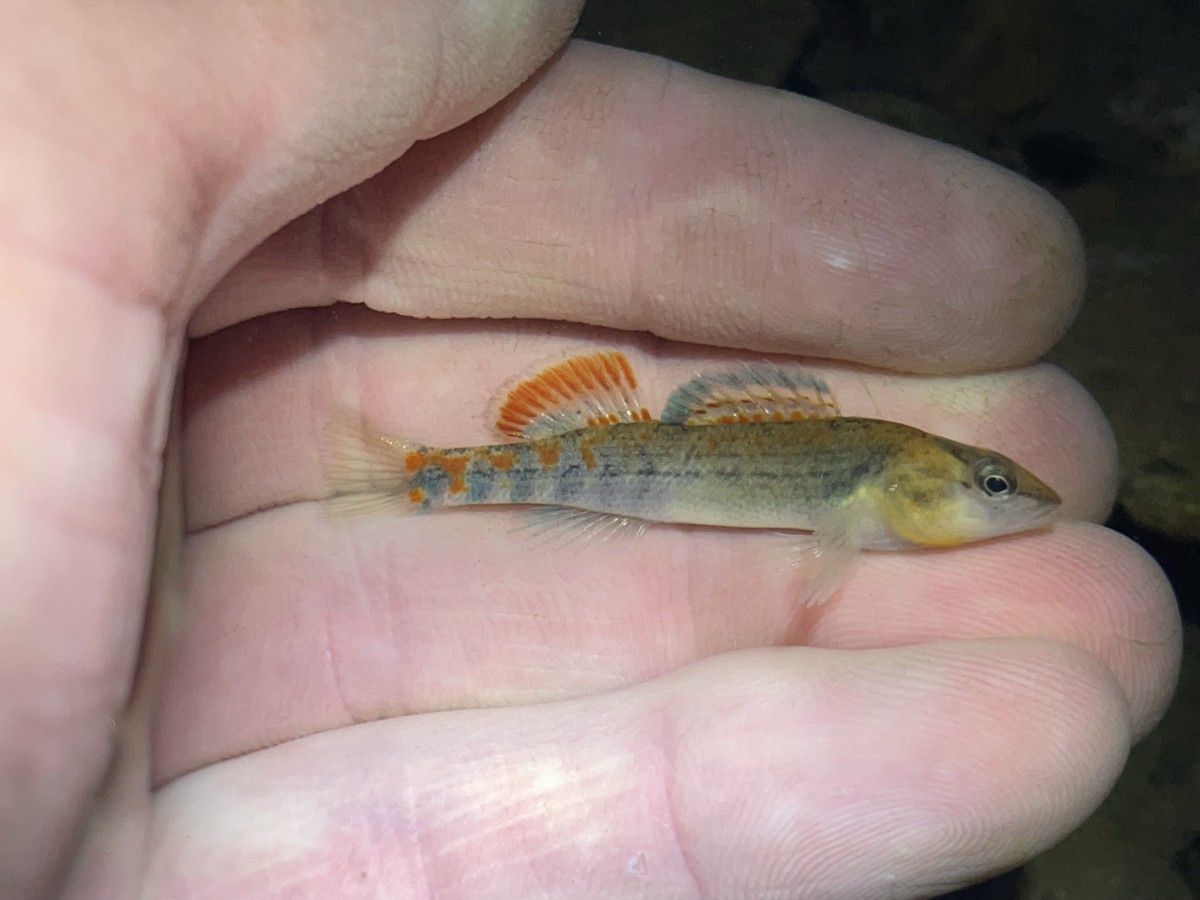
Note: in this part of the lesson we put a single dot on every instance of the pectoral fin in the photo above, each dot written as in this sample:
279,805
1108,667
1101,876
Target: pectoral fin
827,556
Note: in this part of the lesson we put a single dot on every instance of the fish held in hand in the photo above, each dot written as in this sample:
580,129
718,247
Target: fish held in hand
761,447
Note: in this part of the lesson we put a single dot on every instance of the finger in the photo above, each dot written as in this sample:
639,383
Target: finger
630,192
261,395
124,196
193,157
756,774
296,625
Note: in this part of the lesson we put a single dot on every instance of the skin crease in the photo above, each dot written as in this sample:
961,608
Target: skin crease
434,707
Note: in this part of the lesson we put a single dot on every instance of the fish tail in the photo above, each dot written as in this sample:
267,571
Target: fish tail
369,471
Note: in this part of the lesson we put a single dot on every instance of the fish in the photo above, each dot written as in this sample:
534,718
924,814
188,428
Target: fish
759,446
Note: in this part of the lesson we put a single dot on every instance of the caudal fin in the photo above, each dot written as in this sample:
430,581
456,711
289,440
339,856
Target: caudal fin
367,471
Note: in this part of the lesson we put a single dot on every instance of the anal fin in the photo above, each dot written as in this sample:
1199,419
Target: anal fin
568,523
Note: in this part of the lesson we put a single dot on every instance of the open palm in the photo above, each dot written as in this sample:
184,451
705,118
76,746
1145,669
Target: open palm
439,706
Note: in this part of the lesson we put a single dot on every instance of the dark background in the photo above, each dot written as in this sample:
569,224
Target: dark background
1099,102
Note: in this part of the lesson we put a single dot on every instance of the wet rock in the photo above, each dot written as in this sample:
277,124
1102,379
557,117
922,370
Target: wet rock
1136,343
1164,109
1187,863
1061,158
1006,59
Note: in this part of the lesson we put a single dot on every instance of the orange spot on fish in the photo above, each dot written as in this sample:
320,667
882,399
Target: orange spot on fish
603,419
585,453
455,467
416,495
503,460
415,460
548,455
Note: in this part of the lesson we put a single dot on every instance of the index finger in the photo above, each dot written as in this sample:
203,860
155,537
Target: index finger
630,192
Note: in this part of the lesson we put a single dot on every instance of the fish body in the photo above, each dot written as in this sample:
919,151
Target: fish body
761,448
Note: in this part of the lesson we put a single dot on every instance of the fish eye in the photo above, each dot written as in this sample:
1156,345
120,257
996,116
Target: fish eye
995,479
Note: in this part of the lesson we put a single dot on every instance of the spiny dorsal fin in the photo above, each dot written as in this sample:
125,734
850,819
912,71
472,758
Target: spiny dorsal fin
762,392
578,392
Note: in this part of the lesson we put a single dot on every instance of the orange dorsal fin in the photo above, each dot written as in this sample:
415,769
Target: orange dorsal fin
579,392
761,392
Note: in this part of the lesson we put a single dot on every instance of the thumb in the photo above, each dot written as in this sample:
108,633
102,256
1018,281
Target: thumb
197,130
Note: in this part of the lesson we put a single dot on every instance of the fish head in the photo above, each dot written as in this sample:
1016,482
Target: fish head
939,493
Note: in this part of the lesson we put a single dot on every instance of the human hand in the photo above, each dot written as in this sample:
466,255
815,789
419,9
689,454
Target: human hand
989,695
147,148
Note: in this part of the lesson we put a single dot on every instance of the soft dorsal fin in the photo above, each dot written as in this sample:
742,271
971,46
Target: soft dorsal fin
760,392
581,391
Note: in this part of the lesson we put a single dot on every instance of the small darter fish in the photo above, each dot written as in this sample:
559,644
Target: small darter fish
762,447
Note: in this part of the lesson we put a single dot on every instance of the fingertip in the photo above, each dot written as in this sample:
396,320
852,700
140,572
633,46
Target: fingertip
1113,602
1071,417
763,773
1076,582
762,220
1045,266
800,769
992,264
1143,636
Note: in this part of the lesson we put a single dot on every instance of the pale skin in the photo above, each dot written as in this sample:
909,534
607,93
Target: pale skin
429,707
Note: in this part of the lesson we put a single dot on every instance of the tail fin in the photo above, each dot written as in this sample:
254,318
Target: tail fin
367,470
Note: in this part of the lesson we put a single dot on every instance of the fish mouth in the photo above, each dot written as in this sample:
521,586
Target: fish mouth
1034,515
1045,514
